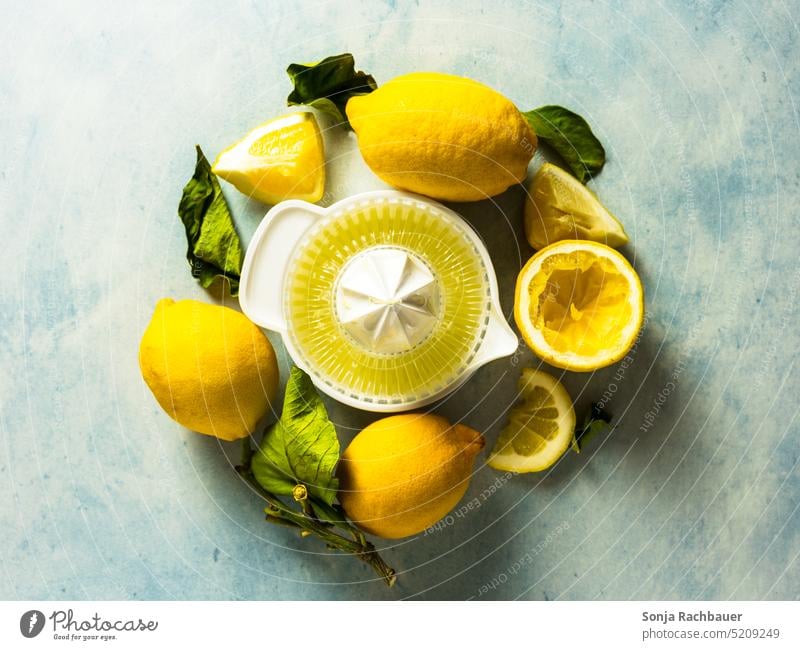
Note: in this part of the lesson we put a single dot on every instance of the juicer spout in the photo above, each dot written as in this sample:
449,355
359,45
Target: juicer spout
500,340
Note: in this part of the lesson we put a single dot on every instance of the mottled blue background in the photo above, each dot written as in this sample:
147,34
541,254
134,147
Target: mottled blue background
103,496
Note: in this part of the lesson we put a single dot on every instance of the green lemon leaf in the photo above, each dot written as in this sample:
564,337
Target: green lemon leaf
595,421
301,447
329,84
571,137
214,247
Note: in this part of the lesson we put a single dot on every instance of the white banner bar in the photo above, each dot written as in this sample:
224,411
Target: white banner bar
333,625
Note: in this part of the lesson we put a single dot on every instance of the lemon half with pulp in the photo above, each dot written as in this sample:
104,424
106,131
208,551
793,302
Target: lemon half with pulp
539,429
281,159
579,305
560,207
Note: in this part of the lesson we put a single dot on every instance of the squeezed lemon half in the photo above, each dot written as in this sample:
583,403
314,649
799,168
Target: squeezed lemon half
281,159
579,305
540,428
560,207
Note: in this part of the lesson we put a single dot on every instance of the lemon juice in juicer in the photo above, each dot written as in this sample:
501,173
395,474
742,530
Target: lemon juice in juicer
387,300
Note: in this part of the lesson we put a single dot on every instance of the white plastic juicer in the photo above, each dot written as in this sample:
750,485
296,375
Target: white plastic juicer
386,299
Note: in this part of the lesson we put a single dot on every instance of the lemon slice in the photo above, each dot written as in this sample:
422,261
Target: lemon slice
539,429
560,207
281,159
579,305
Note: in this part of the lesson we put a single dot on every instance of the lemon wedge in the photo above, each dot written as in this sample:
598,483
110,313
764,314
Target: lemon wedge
540,428
579,305
281,159
560,207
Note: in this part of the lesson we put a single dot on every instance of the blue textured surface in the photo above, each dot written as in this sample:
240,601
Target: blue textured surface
105,497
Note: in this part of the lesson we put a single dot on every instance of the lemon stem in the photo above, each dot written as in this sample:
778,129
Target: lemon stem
278,520
247,452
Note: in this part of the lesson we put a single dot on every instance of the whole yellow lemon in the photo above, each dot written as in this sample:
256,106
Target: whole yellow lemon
210,368
444,136
404,473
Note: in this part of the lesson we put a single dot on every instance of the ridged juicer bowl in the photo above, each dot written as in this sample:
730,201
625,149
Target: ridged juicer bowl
373,288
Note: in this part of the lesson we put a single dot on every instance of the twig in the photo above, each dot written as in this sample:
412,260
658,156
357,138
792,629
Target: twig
309,524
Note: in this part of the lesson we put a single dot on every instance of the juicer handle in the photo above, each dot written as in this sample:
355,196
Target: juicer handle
500,340
266,262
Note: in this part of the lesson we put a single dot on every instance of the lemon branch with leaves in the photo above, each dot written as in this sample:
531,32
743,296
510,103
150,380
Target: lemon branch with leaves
296,462
328,85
